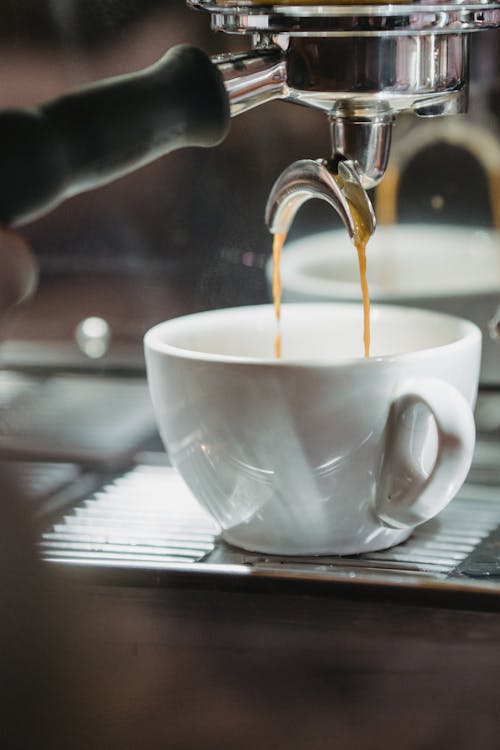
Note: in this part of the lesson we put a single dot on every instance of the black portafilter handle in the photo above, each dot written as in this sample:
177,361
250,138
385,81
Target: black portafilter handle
94,135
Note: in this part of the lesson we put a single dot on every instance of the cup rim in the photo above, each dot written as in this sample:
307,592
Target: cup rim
469,333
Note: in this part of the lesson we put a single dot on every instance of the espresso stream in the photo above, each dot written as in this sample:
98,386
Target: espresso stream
278,242
360,241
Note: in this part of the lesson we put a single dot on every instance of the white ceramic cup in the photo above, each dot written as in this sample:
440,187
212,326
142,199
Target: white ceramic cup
322,451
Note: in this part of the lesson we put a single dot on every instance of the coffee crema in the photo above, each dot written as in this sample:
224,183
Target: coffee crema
360,240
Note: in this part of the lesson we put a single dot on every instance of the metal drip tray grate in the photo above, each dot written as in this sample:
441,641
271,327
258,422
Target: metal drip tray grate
147,520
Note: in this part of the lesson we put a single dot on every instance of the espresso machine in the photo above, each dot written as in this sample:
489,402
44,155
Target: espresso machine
360,65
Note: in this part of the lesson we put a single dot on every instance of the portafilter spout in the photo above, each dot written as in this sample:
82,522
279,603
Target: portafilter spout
307,179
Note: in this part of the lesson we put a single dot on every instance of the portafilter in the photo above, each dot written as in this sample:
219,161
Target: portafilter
359,64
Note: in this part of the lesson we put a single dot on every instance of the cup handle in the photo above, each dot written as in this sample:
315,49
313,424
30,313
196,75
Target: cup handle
408,495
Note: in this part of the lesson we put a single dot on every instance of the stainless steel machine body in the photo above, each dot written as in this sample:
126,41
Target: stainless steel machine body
361,64
358,64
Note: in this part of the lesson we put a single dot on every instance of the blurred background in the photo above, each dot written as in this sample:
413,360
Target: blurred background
187,232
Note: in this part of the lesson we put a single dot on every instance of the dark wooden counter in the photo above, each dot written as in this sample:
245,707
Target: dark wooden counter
179,668
88,665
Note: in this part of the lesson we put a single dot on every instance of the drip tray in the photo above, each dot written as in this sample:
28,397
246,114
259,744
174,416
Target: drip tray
146,526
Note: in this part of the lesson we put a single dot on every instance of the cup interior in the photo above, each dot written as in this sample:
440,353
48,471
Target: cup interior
310,331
